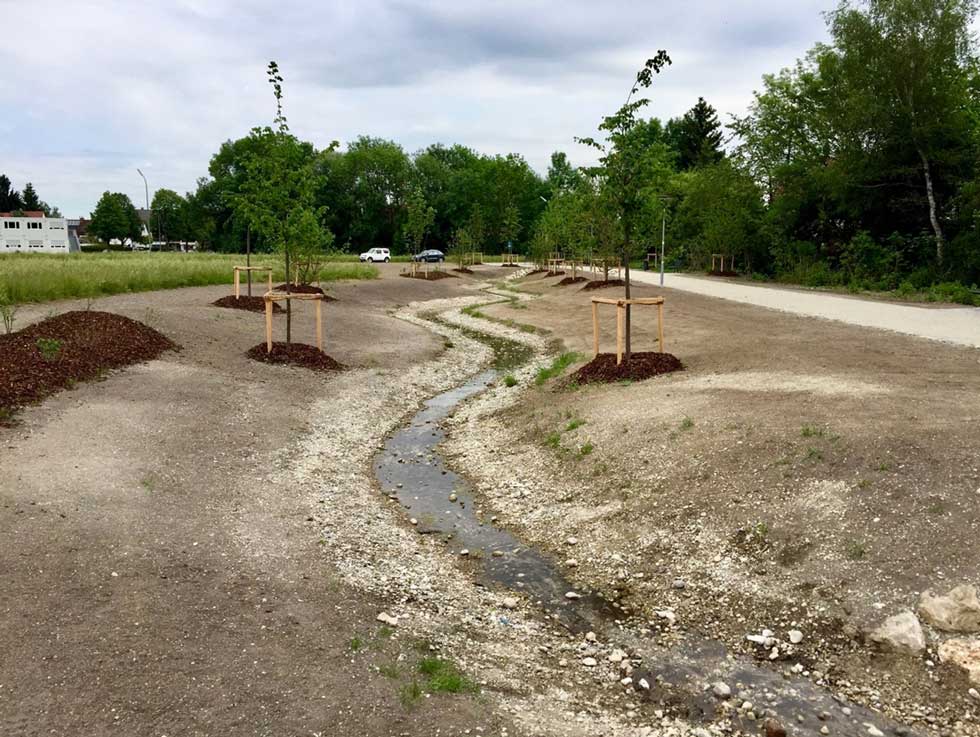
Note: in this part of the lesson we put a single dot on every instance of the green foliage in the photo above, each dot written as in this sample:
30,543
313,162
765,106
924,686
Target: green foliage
115,217
168,216
49,348
509,380
442,676
38,278
418,221
557,367
8,309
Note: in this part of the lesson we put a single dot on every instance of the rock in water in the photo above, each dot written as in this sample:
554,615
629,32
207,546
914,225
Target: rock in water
957,611
964,653
722,690
901,633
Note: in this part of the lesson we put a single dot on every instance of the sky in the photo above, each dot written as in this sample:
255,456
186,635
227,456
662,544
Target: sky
94,89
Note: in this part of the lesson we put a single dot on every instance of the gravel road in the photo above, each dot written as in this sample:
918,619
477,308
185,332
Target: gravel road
960,325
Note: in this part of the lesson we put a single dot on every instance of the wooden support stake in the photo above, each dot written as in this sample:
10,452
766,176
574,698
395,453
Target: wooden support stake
268,325
319,325
237,285
660,326
595,329
270,280
620,317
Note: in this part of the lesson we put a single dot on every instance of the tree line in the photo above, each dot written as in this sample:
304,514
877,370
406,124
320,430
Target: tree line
14,201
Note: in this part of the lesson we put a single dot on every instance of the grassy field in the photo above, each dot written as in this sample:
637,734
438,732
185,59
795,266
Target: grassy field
39,278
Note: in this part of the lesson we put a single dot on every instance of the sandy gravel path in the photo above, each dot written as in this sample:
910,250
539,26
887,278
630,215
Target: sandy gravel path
960,325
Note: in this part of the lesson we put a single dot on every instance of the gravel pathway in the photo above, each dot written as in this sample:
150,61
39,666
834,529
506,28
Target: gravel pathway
959,325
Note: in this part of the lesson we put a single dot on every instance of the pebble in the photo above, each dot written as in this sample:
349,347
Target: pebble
452,497
722,690
644,684
617,656
825,729
572,595
464,551
795,637
509,603
414,521
571,541
974,694
680,583
590,662
388,619
571,563
873,730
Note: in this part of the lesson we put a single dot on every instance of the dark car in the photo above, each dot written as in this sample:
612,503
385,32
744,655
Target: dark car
432,256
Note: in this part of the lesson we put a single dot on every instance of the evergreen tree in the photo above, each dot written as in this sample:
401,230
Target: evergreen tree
31,200
10,199
698,137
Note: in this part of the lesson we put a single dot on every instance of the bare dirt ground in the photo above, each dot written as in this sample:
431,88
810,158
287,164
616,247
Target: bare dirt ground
798,474
161,576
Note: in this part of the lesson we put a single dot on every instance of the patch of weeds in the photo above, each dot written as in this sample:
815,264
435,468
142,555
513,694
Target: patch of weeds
557,367
883,467
50,348
509,380
148,483
389,670
553,440
784,461
863,484
856,550
937,507
625,382
811,431
686,424
814,454
410,694
586,450
356,644
444,677
448,344
574,425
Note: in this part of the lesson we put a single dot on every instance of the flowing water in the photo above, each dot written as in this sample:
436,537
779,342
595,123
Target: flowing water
410,469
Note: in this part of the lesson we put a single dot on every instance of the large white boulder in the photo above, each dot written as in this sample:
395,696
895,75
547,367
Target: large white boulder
901,633
957,611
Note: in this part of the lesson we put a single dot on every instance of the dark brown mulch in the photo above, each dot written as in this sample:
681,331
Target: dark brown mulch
512,266
431,276
295,354
603,284
464,270
603,369
723,273
91,343
537,271
299,289
571,280
555,273
252,304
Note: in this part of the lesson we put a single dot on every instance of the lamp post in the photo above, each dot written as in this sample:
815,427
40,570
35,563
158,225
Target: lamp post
664,199
146,191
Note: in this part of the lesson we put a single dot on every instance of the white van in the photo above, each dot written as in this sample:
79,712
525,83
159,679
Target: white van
376,254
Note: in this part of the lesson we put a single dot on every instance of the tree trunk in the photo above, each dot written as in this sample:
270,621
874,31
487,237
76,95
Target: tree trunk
289,305
933,217
248,256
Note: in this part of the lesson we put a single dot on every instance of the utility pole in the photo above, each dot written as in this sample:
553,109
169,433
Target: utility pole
664,199
146,191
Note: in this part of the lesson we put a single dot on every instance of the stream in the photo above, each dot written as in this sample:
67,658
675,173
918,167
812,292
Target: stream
410,469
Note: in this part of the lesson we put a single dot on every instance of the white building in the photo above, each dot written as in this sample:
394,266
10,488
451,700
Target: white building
33,233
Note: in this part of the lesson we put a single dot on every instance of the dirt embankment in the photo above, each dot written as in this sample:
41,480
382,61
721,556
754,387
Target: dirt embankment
798,475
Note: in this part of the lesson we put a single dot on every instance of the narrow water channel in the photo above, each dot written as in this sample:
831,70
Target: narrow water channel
410,469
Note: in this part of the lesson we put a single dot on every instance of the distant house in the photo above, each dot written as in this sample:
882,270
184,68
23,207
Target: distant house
32,232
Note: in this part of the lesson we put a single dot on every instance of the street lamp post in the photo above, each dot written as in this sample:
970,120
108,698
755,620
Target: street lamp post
146,191
664,199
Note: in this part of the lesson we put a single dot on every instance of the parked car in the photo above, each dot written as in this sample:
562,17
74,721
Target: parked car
376,254
432,256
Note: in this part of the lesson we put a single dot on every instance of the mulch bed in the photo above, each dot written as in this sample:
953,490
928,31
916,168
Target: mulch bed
252,304
603,369
299,289
295,354
512,266
603,284
571,280
555,273
464,270
91,343
431,276
537,271
723,273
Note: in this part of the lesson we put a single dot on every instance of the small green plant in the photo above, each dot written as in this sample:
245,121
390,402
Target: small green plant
574,425
556,368
50,348
761,530
410,694
444,677
813,454
687,423
883,467
863,484
356,643
553,440
586,450
389,670
811,431
856,550
509,380
8,310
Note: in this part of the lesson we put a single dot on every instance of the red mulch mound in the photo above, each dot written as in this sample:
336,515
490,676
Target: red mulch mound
537,271
603,369
512,266
299,289
295,354
91,343
252,304
571,280
555,273
464,270
603,284
431,276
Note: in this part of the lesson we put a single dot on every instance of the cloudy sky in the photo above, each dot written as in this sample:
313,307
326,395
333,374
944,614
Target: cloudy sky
93,89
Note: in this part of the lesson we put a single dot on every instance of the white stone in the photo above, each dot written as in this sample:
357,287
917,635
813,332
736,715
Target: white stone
617,656
974,694
644,684
873,730
901,633
572,595
722,690
464,551
571,563
509,603
571,541
590,636
626,681
590,662
965,654
957,611
795,637
387,619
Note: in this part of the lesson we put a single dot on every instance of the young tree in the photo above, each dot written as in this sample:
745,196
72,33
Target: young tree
624,165
31,200
510,226
418,220
115,217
